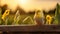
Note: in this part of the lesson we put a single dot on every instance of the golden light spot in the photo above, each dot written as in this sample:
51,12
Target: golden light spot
6,13
48,19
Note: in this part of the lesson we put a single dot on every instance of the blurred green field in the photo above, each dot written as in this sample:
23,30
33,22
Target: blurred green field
10,20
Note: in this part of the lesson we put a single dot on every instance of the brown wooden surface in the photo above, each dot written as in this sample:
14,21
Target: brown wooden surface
43,28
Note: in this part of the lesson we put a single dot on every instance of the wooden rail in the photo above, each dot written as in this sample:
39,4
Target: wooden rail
44,28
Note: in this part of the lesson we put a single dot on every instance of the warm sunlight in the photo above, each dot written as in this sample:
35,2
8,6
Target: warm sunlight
29,4
22,1
29,12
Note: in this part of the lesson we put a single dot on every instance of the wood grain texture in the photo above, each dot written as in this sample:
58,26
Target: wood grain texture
37,28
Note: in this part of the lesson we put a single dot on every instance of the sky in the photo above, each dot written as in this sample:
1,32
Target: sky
30,4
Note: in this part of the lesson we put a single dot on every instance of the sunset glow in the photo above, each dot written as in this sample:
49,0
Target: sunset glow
22,1
29,4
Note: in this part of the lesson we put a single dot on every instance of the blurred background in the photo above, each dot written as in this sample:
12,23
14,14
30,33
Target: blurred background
28,7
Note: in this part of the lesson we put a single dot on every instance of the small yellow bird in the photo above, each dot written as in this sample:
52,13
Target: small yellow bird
6,13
